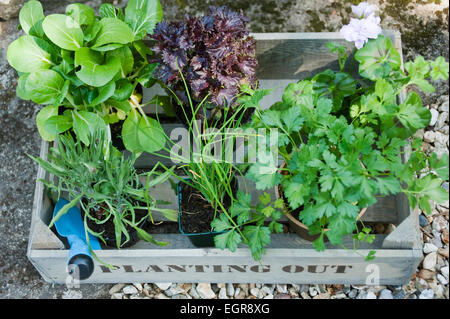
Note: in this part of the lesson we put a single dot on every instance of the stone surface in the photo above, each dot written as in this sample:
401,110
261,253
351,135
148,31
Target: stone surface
429,136
10,8
385,294
205,292
116,288
430,261
429,248
427,294
423,220
444,272
223,293
163,285
230,290
426,274
434,117
130,290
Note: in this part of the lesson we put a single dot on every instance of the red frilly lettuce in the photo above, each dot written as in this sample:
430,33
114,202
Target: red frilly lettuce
215,54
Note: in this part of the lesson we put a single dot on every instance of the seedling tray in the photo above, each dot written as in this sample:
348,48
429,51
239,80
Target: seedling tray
283,58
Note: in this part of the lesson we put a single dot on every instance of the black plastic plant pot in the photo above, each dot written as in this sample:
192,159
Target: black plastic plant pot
200,240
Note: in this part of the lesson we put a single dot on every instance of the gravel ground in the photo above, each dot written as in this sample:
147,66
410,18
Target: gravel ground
424,28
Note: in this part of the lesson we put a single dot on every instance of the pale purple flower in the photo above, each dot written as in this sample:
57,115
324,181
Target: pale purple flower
364,10
361,30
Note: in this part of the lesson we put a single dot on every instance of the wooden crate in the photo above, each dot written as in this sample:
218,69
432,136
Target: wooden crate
283,58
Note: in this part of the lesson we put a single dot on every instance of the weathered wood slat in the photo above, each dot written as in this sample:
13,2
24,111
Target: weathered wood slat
334,266
40,236
383,211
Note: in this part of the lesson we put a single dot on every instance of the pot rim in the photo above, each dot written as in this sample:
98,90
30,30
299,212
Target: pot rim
181,213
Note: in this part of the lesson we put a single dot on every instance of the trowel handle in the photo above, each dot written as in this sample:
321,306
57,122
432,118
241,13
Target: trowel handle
79,264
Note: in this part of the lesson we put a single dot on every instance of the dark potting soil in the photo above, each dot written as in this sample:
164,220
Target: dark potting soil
116,136
197,213
108,229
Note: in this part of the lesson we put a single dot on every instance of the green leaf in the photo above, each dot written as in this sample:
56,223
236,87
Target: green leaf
123,91
145,76
440,166
241,208
120,105
222,223
424,204
319,243
370,256
265,198
389,185
142,16
292,119
412,114
141,133
104,93
108,47
335,85
252,101
264,175
417,69
439,69
258,238
46,87
64,31
339,226
37,30
294,90
267,211
348,210
295,191
107,10
20,89
170,214
384,90
142,49
95,70
91,32
42,117
378,58
311,214
149,238
126,58
113,31
85,124
81,13
30,14
430,186
231,239
58,124
27,54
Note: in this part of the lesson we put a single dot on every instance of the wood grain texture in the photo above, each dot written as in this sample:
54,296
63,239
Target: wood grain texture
41,237
280,265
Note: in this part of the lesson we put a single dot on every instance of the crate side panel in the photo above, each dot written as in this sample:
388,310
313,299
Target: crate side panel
407,234
40,236
212,265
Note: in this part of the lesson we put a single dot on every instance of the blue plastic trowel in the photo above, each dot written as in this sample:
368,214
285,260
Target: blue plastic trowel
71,226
